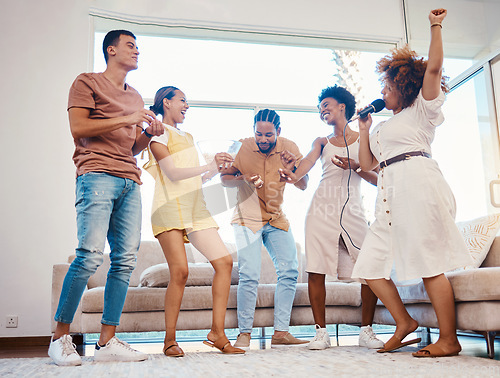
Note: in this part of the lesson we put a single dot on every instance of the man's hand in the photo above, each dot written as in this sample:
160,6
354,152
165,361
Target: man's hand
254,180
288,159
140,116
155,128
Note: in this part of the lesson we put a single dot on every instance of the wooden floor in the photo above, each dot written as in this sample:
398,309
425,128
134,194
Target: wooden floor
471,346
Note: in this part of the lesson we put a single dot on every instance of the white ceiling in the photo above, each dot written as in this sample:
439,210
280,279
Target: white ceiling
470,30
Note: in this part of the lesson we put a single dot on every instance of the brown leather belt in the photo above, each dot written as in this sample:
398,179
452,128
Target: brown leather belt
404,156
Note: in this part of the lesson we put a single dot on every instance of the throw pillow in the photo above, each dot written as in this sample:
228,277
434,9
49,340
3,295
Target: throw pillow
479,235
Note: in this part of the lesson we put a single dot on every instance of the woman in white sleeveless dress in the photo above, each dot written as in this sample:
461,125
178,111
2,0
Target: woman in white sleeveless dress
332,245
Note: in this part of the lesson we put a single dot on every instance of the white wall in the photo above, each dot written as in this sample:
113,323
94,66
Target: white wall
44,45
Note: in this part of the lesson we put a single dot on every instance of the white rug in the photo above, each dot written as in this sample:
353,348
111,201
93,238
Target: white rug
345,361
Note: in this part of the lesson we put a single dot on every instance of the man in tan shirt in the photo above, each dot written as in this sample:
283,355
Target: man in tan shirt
259,219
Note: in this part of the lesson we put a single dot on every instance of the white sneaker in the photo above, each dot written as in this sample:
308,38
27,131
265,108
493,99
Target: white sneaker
63,351
368,338
117,350
321,340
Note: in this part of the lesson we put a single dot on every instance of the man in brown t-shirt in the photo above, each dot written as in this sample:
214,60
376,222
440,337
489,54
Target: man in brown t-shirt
259,219
106,117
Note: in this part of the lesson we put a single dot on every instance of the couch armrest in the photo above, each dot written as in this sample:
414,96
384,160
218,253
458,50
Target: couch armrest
58,273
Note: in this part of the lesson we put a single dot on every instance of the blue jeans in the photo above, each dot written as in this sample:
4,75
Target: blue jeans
281,247
106,206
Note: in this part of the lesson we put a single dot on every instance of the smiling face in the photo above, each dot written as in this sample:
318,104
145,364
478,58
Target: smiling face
266,136
392,97
125,53
331,111
175,108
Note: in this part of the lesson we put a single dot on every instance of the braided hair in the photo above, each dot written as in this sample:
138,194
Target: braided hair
267,115
162,93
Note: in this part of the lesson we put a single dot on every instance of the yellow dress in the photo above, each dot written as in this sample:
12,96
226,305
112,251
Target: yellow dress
178,205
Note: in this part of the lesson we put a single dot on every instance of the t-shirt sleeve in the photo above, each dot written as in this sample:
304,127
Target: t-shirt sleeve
292,147
81,93
432,108
162,139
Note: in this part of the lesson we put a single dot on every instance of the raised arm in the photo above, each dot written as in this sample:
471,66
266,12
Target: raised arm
431,86
306,163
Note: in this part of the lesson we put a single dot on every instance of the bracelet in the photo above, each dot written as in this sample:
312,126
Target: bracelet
358,170
437,24
148,134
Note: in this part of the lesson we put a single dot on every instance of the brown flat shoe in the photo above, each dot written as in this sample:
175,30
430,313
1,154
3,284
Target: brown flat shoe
224,346
172,349
394,343
433,350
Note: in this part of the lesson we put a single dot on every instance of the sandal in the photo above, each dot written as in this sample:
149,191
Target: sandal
433,350
396,344
172,349
224,346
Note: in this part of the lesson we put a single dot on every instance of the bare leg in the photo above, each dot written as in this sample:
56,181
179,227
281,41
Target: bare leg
388,294
442,299
107,333
317,295
209,243
61,330
172,243
368,304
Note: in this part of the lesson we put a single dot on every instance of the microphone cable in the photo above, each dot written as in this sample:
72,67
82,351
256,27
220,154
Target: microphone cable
348,190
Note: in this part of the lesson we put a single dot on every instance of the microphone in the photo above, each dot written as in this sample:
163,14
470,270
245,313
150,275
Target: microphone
374,107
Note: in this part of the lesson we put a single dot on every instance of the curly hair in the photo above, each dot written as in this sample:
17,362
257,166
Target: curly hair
342,96
405,70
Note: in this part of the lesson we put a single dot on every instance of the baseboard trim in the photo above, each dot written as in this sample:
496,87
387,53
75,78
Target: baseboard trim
7,343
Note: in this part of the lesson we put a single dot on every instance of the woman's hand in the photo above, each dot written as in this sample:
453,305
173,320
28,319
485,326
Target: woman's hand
365,124
344,163
437,16
286,175
222,160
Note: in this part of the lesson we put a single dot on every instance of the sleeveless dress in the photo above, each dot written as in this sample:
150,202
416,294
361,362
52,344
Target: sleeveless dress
324,255
178,204
414,230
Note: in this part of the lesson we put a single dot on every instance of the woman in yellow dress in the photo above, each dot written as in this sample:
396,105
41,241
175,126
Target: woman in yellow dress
179,215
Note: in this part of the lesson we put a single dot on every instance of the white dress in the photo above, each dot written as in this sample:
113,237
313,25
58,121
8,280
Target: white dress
322,227
414,230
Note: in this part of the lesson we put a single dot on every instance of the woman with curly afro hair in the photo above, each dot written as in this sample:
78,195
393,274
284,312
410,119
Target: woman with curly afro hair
414,231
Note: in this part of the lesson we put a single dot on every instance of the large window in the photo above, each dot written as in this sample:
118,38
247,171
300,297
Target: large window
226,82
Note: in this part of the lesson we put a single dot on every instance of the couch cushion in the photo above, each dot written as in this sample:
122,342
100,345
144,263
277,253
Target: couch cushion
479,235
200,274
472,285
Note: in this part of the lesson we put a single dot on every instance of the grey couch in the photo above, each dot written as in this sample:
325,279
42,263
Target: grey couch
477,294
